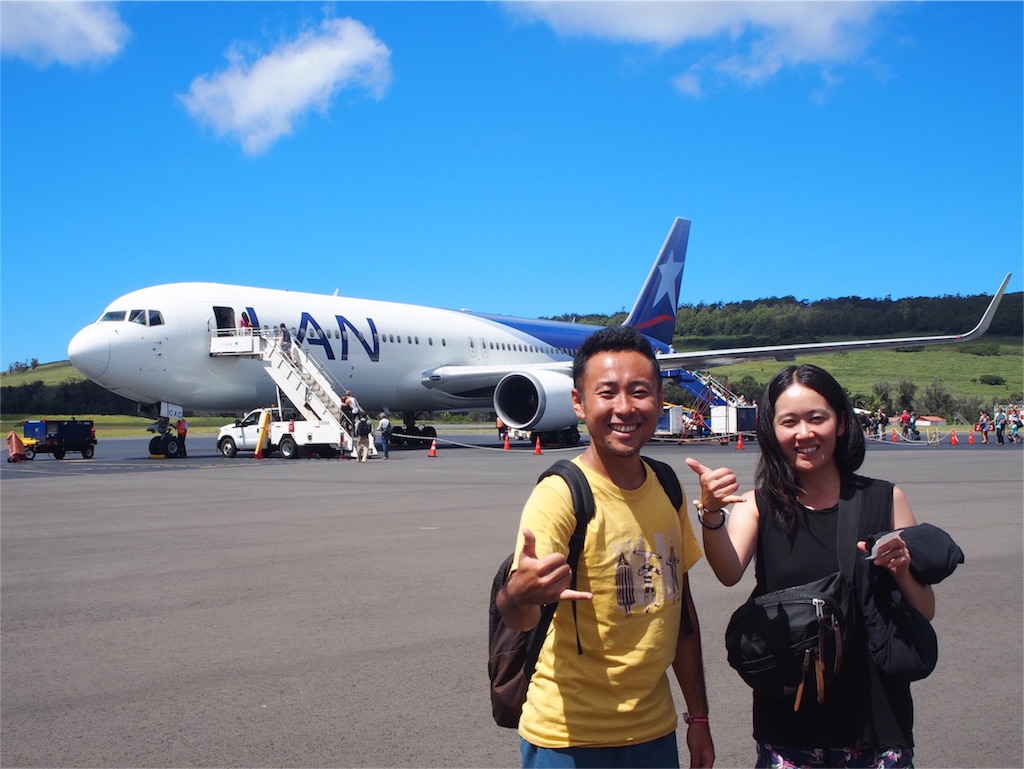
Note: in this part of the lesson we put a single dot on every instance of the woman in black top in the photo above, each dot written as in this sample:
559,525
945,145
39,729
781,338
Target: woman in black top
810,440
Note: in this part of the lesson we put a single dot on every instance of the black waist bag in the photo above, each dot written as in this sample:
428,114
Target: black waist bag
785,641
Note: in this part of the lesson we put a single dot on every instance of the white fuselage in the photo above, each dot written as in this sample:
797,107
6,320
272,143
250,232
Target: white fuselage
392,356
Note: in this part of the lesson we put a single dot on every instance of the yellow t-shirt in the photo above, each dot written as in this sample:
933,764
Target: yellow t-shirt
636,552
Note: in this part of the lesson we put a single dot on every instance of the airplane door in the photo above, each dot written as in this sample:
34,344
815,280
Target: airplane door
472,348
225,317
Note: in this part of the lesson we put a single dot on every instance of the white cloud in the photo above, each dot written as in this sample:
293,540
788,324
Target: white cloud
74,33
258,102
749,42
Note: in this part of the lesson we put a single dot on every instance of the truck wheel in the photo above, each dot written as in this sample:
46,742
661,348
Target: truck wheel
288,448
87,452
228,448
30,453
58,454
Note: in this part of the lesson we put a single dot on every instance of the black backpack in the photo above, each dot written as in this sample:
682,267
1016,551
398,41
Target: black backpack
513,654
363,428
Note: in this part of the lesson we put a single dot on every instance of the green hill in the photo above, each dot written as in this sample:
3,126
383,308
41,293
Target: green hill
47,373
962,369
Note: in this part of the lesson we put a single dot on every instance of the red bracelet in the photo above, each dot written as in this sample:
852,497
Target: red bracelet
694,719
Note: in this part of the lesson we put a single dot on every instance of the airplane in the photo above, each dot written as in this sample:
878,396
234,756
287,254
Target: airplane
153,346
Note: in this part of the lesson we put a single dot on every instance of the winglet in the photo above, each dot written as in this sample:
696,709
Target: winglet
654,313
990,313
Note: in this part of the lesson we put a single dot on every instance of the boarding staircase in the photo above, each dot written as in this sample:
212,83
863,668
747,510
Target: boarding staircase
300,377
706,390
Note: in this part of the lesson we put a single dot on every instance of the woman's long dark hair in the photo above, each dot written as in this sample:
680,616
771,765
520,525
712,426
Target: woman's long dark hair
775,477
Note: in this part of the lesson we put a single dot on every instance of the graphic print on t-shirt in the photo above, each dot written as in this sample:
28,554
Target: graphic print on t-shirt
646,576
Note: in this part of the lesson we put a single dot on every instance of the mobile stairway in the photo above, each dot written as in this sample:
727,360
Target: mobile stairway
300,377
706,390
723,414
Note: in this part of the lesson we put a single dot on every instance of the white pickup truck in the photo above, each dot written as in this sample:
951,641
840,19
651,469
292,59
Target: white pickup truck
292,437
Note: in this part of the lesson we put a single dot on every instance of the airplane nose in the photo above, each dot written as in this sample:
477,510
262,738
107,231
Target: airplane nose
89,351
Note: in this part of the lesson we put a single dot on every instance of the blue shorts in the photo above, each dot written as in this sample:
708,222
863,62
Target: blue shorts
780,757
661,752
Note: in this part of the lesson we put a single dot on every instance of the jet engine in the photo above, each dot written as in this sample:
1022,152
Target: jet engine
535,400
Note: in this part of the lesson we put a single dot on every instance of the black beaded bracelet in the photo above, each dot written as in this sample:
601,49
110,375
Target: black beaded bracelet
700,516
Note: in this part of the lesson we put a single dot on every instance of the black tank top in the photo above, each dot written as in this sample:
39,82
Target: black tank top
852,714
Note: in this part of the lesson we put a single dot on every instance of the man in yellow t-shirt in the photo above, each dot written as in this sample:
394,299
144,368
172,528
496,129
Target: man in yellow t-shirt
612,705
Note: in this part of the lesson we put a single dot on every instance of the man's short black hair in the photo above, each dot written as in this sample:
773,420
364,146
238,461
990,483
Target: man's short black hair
613,339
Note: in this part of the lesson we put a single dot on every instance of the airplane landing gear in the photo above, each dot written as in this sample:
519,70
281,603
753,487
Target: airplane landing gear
165,442
412,435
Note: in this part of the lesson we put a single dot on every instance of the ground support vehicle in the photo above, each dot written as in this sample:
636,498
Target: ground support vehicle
291,437
58,437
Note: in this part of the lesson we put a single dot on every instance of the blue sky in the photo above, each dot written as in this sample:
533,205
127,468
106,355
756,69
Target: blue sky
526,159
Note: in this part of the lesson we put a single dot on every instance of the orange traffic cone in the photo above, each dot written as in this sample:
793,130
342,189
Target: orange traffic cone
894,436
952,438
739,442
506,442
433,448
537,449
970,437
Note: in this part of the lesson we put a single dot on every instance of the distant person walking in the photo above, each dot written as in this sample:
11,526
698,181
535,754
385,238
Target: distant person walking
363,432
905,423
984,425
384,426
1000,424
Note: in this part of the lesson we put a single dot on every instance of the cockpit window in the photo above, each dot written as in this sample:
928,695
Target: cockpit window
142,317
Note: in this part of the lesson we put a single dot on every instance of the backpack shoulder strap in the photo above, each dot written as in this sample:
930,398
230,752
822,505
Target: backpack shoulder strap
670,483
583,507
582,504
865,508
668,479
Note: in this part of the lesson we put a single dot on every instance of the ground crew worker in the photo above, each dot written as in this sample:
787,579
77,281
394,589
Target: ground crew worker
182,432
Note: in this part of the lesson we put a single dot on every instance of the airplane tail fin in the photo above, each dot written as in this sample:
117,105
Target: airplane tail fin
654,313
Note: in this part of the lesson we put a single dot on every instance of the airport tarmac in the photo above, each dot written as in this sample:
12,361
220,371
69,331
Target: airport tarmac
315,613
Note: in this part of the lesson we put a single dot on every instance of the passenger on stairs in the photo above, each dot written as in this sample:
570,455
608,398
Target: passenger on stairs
285,342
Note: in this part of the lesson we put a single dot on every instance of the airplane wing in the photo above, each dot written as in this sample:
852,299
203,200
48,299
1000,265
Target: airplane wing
468,381
701,359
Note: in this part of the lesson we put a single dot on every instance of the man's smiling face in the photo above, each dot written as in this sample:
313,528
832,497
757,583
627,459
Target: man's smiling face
620,399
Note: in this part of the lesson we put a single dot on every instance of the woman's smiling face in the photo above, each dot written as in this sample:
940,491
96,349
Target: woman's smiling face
806,428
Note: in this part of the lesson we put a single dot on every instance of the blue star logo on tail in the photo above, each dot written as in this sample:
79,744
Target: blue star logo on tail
671,273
